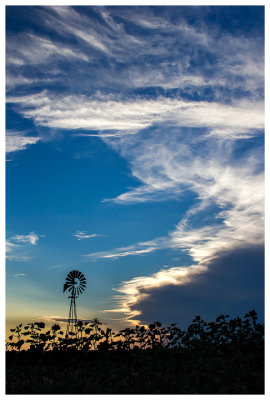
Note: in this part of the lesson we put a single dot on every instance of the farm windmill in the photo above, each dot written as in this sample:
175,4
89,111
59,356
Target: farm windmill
75,284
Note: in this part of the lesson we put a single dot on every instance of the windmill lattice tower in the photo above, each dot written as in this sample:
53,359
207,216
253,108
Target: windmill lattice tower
75,284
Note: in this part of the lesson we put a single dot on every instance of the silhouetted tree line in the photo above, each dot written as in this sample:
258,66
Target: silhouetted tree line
224,356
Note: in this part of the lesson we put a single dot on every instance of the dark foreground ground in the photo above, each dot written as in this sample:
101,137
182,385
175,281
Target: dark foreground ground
220,370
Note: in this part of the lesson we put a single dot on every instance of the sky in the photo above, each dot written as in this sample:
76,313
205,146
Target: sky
135,154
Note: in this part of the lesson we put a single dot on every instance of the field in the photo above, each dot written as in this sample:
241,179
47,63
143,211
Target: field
222,357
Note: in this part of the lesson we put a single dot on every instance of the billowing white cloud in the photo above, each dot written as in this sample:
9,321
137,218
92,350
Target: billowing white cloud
133,291
232,283
228,190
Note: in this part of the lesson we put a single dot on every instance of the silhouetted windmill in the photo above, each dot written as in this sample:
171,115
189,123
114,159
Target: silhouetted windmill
75,284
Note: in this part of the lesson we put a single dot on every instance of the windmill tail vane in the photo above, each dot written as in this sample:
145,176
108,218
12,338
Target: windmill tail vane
75,284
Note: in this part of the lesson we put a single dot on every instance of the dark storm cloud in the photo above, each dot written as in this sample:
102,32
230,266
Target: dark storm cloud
233,284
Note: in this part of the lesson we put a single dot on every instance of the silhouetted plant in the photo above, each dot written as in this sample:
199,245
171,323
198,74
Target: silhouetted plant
91,336
158,336
175,336
128,336
32,330
220,357
96,335
18,332
52,334
140,336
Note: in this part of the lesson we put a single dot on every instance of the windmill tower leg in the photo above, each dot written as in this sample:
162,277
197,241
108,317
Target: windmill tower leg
72,318
75,284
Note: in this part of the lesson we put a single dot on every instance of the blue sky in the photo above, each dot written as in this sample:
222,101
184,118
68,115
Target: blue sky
135,153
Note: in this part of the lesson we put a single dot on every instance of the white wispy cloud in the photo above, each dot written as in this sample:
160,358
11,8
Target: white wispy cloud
16,141
133,250
172,159
54,318
14,252
59,319
16,80
31,238
18,257
56,266
84,235
228,188
229,207
33,49
80,112
19,251
236,62
10,246
122,252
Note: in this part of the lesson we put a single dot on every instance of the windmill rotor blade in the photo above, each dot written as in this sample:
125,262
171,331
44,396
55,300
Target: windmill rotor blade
65,287
75,282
